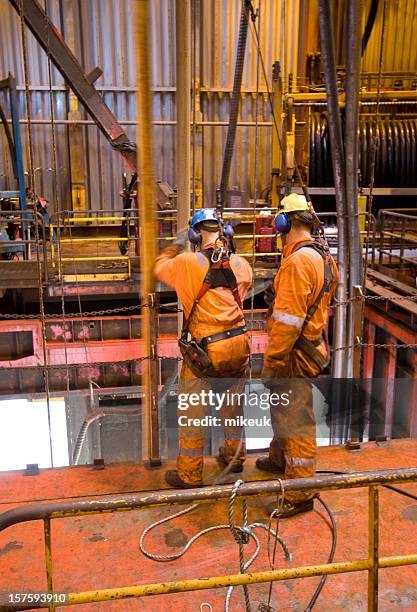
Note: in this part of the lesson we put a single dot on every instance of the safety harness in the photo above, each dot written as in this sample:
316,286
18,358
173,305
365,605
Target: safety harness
194,351
309,347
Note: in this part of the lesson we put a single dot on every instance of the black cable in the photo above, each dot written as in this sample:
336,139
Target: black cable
234,103
386,486
322,582
297,169
334,531
369,24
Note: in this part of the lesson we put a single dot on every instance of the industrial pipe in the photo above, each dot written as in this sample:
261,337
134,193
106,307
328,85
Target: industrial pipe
338,160
352,87
148,232
183,104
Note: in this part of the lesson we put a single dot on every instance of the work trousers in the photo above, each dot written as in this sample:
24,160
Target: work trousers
293,448
230,358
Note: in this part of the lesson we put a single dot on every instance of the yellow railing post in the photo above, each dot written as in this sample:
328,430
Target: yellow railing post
48,558
373,533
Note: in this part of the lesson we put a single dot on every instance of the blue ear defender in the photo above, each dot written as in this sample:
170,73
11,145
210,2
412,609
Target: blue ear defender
282,223
228,231
194,236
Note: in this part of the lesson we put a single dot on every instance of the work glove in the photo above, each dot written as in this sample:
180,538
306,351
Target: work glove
269,294
181,239
271,376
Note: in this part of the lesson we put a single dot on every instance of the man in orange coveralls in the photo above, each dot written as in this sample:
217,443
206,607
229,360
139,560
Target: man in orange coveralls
217,321
304,286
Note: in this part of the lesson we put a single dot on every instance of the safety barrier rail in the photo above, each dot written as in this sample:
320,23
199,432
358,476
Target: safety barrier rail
67,220
24,244
373,480
397,236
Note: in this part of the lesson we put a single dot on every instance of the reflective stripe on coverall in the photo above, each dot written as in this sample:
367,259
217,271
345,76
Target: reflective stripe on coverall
216,312
297,285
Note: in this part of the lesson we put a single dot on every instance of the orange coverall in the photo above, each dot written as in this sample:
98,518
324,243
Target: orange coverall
216,312
297,286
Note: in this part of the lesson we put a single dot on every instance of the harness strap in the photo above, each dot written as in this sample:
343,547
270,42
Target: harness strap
309,347
226,278
328,278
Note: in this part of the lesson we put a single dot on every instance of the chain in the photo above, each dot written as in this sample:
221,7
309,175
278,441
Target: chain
36,221
98,313
98,363
375,298
255,15
91,313
55,192
376,346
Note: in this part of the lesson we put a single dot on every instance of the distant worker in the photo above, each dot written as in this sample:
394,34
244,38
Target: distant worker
212,284
297,350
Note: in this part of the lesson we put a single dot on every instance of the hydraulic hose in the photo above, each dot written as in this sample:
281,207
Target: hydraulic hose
234,103
369,24
91,418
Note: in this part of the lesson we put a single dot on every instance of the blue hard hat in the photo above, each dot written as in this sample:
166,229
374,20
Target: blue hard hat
204,214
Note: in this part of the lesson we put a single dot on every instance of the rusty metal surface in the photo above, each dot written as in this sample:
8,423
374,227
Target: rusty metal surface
108,545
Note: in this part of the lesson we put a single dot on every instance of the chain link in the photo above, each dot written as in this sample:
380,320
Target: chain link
96,364
376,346
92,313
121,309
375,298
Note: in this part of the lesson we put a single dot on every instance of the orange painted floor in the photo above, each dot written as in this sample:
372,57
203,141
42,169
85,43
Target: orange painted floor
97,552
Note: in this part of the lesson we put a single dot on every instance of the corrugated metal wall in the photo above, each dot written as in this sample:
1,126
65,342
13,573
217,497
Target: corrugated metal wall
103,37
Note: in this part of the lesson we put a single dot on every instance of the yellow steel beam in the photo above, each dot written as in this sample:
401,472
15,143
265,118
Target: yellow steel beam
48,557
215,582
98,239
97,258
365,95
91,219
373,536
88,278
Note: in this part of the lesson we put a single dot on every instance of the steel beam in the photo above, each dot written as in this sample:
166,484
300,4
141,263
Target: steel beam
51,40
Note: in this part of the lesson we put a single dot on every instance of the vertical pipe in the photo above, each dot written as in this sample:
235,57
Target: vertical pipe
147,213
367,374
373,534
357,309
338,160
412,403
352,86
48,558
390,371
183,106
183,102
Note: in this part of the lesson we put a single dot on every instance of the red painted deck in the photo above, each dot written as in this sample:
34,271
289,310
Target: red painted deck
102,551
